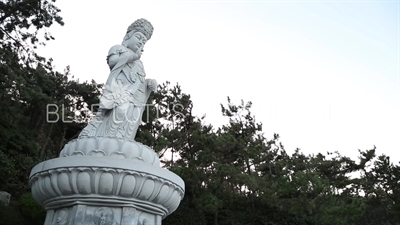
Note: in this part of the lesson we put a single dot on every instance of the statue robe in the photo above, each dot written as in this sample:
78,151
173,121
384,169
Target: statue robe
124,98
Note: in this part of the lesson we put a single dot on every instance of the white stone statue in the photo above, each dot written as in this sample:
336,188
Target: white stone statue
105,177
126,90
62,217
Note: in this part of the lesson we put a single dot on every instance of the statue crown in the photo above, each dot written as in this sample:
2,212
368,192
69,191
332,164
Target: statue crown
143,26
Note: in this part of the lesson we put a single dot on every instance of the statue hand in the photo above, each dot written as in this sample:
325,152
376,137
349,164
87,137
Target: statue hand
152,84
133,56
139,53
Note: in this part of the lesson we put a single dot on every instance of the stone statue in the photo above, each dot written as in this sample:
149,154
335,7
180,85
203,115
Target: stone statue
104,216
5,198
145,222
105,177
126,90
62,217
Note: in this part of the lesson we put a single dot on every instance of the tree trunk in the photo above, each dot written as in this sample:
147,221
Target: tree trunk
43,149
62,142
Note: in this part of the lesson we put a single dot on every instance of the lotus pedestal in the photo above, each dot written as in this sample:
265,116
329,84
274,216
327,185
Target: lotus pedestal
119,184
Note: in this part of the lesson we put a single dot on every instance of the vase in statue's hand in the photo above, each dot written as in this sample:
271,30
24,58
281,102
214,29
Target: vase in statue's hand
152,84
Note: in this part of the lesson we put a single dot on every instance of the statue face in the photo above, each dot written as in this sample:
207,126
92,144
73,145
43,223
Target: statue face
137,42
103,216
61,218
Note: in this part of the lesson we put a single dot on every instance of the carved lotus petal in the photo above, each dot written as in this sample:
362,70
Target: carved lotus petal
112,147
105,180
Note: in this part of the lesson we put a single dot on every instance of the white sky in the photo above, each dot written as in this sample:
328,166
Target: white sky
322,74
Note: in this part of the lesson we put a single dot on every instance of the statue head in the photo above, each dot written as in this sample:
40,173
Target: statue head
138,33
143,26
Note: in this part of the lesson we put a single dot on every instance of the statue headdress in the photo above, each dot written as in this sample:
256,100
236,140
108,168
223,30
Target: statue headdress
143,26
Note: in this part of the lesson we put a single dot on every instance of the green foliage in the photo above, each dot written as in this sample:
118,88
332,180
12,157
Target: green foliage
235,175
20,23
186,214
28,86
31,210
12,215
22,212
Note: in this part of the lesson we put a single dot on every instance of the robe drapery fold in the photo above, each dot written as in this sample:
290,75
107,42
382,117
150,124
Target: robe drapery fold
124,99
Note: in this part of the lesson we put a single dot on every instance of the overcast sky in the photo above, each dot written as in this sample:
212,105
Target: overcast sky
322,74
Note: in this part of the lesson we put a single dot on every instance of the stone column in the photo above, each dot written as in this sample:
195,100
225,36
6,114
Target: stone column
105,181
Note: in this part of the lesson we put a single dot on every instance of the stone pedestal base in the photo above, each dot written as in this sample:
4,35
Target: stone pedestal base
100,215
104,190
